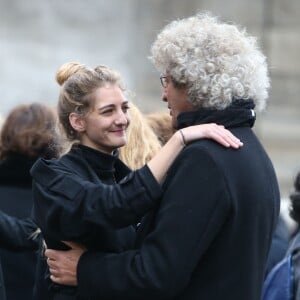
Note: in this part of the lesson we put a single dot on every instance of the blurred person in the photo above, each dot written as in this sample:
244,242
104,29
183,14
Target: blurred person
295,243
210,235
2,287
279,244
161,124
27,133
18,234
88,195
142,143
283,280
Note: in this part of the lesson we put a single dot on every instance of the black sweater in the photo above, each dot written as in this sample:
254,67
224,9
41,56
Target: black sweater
75,199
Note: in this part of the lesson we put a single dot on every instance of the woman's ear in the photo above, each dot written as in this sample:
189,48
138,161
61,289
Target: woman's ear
77,122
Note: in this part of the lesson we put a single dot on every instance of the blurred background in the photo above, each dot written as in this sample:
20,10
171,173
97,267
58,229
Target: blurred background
37,36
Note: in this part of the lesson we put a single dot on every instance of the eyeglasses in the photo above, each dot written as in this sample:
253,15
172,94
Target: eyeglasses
163,80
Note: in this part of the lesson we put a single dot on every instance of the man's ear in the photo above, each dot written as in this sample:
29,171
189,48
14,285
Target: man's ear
77,122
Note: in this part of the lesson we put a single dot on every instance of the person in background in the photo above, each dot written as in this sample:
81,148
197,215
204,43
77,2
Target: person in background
27,133
161,124
142,142
279,245
283,280
209,236
2,287
295,243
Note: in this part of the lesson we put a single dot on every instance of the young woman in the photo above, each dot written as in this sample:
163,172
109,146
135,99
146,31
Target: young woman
88,195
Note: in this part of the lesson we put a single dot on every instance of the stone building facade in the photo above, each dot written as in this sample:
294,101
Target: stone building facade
36,37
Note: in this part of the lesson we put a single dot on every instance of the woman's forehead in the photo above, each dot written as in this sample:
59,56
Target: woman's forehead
109,94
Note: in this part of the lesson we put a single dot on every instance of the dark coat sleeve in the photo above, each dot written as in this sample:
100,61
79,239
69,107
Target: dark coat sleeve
2,285
65,205
17,234
189,217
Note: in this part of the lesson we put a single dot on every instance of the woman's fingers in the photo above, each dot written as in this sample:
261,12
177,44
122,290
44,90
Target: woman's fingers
227,138
212,131
221,135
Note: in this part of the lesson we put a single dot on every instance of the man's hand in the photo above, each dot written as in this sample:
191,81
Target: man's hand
63,264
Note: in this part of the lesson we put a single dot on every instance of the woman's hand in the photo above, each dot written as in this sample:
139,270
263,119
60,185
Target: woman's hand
63,264
211,131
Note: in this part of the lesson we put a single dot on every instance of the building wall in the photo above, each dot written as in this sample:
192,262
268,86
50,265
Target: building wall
36,37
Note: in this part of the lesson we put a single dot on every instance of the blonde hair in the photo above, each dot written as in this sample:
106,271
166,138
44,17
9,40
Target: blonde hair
78,84
161,124
142,143
217,62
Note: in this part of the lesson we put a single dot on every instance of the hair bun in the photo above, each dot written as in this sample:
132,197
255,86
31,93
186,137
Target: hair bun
67,70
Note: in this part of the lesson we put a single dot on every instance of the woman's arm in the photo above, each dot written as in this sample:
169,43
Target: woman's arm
161,162
67,207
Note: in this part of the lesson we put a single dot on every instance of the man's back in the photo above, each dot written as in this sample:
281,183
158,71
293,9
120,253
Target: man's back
221,205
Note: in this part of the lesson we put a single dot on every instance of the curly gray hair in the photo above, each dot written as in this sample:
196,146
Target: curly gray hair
217,62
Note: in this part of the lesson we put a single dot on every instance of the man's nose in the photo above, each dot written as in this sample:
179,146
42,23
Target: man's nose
164,95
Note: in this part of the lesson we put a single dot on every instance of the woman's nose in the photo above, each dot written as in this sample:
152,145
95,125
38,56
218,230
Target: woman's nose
122,118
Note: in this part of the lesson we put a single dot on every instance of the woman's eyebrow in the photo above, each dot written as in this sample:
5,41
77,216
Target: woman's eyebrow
105,107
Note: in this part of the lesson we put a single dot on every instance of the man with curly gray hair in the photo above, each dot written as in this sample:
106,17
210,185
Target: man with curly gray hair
209,237
216,62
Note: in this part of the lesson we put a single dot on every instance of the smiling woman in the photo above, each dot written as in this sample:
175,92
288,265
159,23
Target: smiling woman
88,194
104,127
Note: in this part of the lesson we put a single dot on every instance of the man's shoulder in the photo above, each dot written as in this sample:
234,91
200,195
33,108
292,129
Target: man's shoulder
204,149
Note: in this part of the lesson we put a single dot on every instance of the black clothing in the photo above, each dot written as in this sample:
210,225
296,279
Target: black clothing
74,200
2,287
18,234
16,200
210,235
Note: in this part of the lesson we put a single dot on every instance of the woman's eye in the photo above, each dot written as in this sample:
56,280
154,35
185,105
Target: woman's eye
105,112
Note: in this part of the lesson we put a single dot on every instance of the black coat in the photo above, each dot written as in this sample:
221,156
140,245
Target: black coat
17,235
16,200
2,287
75,199
210,235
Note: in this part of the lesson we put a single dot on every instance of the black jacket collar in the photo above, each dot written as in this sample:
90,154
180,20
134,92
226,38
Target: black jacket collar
105,165
239,114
